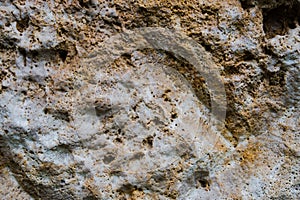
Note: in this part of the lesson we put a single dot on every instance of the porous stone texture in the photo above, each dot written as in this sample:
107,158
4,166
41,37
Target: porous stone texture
139,127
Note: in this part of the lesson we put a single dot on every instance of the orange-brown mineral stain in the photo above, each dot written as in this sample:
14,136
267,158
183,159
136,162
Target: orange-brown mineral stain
90,185
250,154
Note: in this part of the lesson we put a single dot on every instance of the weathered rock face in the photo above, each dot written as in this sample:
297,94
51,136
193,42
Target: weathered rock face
95,105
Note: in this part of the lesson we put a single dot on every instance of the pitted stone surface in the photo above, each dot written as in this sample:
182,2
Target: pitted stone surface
140,126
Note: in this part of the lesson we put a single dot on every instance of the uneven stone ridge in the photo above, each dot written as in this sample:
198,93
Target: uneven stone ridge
127,99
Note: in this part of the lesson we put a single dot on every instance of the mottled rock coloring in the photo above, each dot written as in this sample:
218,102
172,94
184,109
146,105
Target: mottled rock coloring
149,99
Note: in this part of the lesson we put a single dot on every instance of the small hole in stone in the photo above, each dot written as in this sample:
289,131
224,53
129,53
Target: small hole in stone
118,140
246,4
148,141
63,54
174,115
22,24
204,183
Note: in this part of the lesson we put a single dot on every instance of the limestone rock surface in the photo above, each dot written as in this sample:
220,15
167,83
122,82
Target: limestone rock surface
127,99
